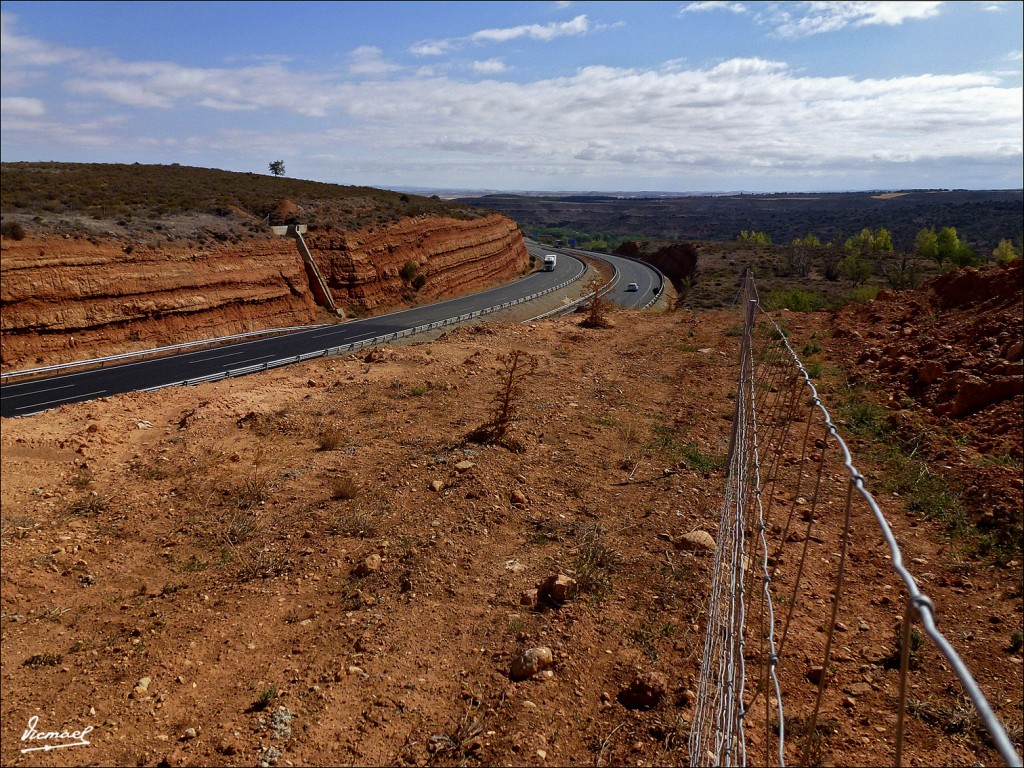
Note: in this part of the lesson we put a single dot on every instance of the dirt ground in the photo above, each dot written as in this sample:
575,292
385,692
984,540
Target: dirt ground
316,566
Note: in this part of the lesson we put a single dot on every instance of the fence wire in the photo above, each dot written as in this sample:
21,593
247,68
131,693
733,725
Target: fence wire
796,520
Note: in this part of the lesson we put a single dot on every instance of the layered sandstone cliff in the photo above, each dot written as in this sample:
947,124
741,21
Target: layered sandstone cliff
418,260
68,299
65,299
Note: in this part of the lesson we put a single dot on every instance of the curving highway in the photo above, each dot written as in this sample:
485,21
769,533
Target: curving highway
28,397
649,280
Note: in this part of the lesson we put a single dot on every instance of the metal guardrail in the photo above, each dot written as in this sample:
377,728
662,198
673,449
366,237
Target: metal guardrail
99,362
356,345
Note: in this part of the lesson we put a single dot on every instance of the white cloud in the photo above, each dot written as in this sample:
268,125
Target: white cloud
543,32
713,5
490,67
21,51
388,123
811,18
369,61
432,48
20,106
1015,55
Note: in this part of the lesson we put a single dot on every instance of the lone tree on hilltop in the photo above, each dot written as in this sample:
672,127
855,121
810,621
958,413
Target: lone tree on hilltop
277,167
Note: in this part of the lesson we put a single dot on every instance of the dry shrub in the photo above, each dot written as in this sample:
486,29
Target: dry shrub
598,308
517,368
329,439
357,523
344,488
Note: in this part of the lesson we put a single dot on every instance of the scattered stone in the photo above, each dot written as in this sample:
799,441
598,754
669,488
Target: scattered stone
143,425
696,541
688,698
858,689
930,372
464,466
190,733
514,565
815,675
370,565
518,498
529,598
530,662
558,589
141,688
436,486
542,754
646,691
172,759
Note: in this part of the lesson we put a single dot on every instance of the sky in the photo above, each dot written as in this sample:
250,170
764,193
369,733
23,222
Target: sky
543,96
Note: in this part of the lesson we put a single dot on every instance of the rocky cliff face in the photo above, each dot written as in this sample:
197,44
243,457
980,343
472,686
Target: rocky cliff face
417,260
66,299
72,299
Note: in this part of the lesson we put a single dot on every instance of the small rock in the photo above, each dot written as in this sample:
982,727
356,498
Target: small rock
930,371
858,689
815,674
530,662
689,698
645,691
436,486
464,466
370,565
558,588
518,498
696,541
190,733
141,689
542,754
529,598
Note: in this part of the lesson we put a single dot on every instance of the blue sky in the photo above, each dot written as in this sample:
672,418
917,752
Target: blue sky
673,96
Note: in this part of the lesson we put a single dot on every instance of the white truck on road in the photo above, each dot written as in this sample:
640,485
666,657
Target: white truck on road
549,262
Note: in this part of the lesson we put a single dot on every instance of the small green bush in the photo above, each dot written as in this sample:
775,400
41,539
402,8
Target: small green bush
13,230
862,294
796,300
408,270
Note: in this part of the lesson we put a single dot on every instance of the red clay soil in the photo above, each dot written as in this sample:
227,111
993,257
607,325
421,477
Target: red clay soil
315,565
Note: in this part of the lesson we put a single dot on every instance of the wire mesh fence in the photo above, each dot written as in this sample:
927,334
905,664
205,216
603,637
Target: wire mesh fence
798,642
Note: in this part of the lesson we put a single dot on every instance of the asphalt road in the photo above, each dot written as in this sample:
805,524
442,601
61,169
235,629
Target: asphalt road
646,277
28,397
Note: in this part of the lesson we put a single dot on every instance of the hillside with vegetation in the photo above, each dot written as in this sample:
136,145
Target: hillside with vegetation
183,202
103,259
981,217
